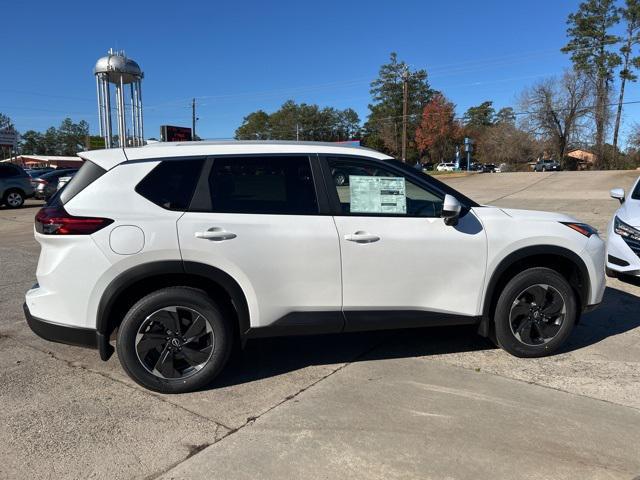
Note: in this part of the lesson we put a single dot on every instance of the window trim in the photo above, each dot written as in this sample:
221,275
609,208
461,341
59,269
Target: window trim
334,200
201,200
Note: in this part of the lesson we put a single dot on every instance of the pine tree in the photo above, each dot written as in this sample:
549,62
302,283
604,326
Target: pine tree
590,46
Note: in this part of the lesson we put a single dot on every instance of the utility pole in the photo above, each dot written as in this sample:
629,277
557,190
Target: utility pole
297,132
193,119
405,101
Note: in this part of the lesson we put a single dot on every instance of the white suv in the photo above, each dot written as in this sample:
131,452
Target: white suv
623,236
185,248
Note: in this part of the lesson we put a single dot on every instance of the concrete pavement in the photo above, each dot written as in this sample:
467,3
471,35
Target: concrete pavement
398,417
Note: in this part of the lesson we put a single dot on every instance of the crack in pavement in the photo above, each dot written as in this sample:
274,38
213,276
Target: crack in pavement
252,420
74,364
525,188
550,387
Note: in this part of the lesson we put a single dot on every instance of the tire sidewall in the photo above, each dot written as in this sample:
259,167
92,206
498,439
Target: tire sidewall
505,337
6,199
182,296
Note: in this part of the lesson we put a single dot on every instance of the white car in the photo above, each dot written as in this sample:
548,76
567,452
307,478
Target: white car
446,167
623,235
183,249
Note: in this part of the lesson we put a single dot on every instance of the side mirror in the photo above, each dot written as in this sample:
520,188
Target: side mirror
618,194
451,210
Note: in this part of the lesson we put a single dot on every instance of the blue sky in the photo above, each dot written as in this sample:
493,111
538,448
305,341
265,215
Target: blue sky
237,57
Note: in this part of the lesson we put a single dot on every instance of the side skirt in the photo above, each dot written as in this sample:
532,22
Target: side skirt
315,323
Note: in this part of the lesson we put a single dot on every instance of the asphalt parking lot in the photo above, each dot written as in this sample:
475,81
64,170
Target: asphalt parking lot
438,403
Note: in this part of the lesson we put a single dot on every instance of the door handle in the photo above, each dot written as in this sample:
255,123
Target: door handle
361,237
216,234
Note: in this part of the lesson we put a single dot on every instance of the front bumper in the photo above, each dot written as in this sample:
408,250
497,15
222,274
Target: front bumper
621,259
78,336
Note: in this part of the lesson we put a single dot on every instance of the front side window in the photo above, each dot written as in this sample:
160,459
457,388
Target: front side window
263,185
365,188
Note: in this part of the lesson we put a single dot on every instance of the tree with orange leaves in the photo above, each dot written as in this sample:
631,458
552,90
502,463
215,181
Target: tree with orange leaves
438,131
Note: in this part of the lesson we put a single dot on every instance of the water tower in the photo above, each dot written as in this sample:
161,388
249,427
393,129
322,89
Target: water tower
118,70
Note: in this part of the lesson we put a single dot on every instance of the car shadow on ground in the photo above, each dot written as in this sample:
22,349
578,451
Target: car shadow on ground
618,313
271,357
276,356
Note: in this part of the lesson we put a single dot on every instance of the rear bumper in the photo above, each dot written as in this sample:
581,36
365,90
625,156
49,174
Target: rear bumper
78,336
81,337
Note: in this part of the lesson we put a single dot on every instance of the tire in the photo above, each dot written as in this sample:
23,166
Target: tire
164,365
13,198
535,313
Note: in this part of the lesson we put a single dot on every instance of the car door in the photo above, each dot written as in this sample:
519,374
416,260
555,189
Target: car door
259,219
401,265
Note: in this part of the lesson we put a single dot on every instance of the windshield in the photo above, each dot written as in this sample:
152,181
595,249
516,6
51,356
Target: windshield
636,191
443,187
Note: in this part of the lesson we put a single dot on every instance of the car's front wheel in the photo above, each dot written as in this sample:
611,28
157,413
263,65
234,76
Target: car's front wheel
174,340
535,313
13,199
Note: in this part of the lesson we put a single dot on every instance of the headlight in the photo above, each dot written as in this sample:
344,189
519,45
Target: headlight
624,230
583,228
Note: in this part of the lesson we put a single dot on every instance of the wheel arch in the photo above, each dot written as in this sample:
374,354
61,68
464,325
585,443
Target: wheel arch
564,261
133,284
13,188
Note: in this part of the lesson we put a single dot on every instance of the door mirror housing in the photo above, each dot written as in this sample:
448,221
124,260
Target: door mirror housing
451,210
618,194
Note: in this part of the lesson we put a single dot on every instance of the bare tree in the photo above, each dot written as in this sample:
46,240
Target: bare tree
505,143
557,109
633,138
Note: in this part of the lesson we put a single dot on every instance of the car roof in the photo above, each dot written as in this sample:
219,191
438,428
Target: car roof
109,158
59,171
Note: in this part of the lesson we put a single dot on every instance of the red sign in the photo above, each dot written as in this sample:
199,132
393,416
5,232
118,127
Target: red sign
170,133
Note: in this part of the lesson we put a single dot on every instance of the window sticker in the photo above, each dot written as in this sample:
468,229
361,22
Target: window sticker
377,194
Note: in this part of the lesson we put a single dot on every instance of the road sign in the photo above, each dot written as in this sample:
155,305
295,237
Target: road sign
8,137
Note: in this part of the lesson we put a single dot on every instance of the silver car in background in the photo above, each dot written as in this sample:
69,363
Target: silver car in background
62,181
47,185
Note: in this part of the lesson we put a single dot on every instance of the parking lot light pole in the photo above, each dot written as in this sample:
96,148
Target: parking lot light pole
405,100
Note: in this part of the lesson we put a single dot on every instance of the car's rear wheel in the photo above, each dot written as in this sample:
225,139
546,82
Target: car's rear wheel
535,313
13,198
174,340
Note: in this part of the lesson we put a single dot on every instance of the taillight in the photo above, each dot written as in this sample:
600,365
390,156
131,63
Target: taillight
56,221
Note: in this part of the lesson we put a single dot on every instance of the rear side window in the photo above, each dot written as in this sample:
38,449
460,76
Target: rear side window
88,173
267,185
171,183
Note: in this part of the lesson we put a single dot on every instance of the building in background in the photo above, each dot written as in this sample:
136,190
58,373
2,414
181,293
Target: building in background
35,161
585,159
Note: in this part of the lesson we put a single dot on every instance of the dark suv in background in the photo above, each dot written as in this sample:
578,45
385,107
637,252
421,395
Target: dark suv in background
47,184
15,185
547,166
